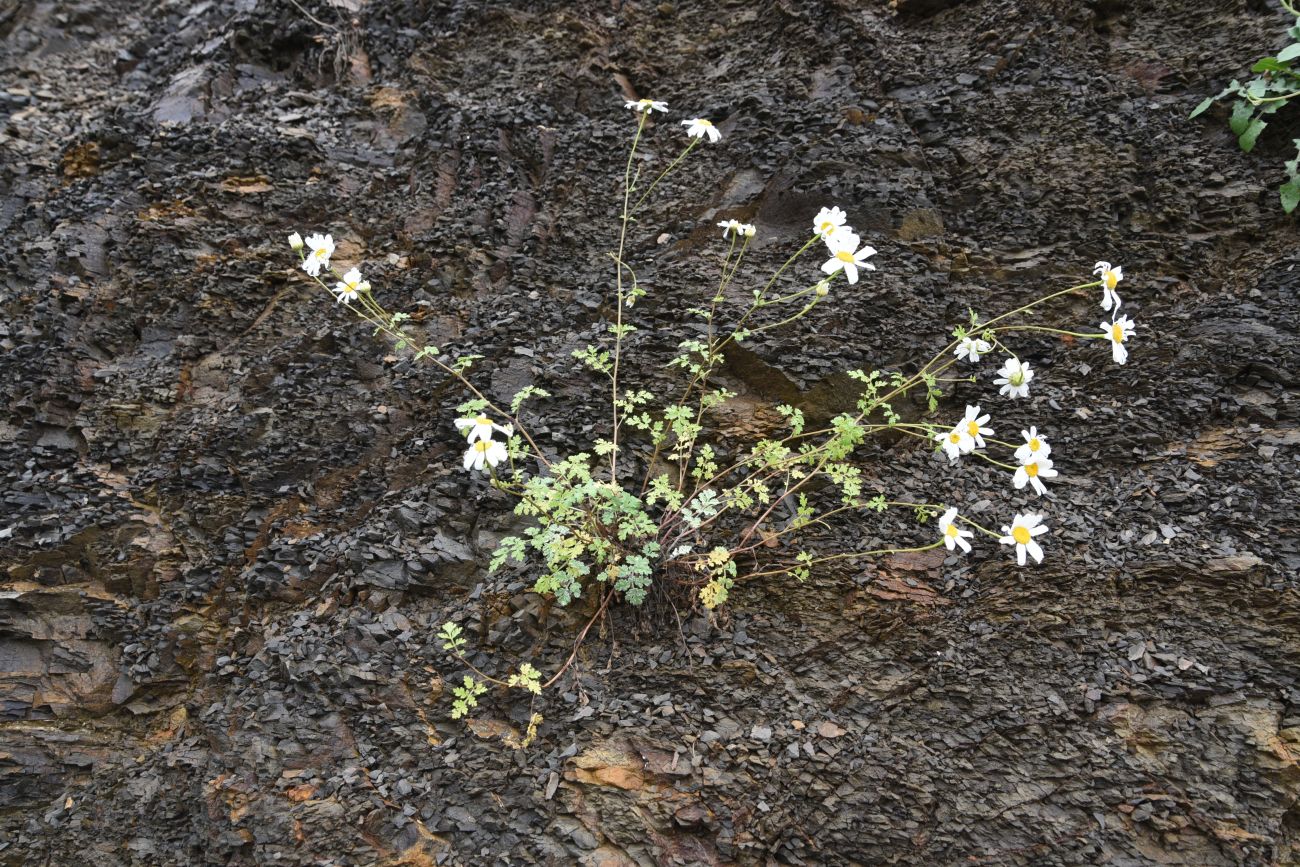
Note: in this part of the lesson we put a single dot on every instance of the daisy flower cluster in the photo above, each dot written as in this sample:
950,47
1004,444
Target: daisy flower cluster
484,452
316,251
1033,464
1119,328
848,253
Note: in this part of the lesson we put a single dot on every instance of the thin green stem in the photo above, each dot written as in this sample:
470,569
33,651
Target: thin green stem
618,324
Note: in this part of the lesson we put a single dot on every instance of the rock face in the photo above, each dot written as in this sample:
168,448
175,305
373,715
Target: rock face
232,521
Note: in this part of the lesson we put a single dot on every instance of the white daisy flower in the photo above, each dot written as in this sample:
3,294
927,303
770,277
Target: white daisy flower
1032,472
828,221
955,442
490,452
1014,377
847,256
295,242
1110,278
973,424
699,128
1021,533
736,227
952,534
351,287
319,250
1035,446
641,106
480,428
1117,332
971,348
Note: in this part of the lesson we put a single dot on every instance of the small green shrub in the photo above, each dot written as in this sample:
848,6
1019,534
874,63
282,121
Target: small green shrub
1276,83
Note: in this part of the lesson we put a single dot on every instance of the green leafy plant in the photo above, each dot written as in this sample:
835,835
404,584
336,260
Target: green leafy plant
1275,84
665,500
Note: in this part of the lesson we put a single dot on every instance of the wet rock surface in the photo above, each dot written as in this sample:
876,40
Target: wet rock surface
231,521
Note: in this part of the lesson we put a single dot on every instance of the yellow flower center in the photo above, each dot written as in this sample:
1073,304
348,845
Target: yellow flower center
973,428
482,420
1031,470
702,122
1017,378
1034,444
1109,279
481,445
951,530
954,438
1117,333
844,256
1021,535
320,253
826,226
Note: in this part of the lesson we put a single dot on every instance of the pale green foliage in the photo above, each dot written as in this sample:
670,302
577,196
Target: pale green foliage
466,696
528,678
451,637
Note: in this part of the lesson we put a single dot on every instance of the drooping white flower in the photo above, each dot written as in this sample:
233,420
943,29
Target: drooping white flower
351,286
1014,377
952,534
491,452
822,288
1117,332
1110,278
1035,446
955,442
295,242
480,428
847,256
828,221
974,426
1032,472
699,128
642,106
971,348
319,250
1021,533
736,227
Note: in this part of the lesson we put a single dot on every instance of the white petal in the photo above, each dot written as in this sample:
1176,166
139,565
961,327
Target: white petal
1035,551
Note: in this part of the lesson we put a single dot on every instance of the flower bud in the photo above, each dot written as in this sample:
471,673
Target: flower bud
295,241
823,288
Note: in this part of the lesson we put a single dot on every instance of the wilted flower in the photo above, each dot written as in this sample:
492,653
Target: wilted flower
828,221
295,242
351,287
822,288
1032,472
1110,278
1021,533
1035,446
847,256
490,452
952,534
1117,332
739,228
971,348
699,128
645,105
480,428
974,425
319,250
1014,377
955,442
